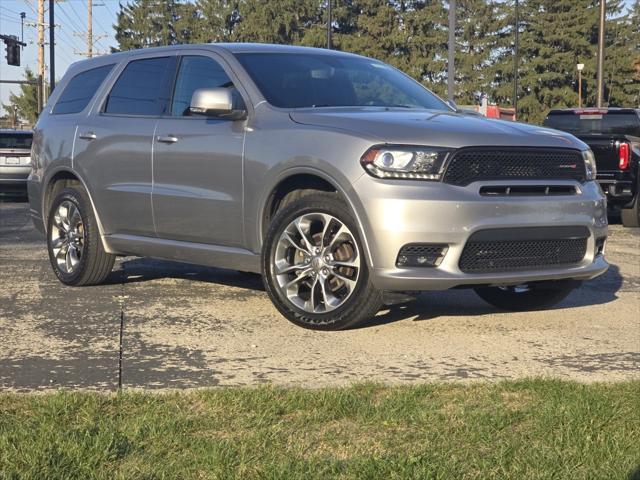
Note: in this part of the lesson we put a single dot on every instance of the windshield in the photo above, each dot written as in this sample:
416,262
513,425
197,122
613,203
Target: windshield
590,123
298,80
17,141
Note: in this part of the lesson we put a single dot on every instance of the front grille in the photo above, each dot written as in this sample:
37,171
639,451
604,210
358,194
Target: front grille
481,163
487,252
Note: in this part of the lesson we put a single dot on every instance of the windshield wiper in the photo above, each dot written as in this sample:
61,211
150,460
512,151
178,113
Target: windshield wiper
403,106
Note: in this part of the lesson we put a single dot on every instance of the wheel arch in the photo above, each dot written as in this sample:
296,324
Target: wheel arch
55,183
306,181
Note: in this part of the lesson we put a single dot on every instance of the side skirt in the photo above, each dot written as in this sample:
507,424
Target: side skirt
197,253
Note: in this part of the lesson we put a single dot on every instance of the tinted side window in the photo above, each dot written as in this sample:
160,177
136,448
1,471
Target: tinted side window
196,72
80,90
141,89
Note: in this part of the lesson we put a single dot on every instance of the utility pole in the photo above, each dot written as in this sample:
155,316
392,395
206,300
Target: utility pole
451,71
516,62
329,20
52,46
40,55
89,36
600,75
90,28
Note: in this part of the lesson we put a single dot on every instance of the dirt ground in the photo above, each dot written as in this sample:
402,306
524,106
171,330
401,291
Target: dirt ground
188,326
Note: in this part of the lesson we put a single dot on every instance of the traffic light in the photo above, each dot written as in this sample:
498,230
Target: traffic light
13,54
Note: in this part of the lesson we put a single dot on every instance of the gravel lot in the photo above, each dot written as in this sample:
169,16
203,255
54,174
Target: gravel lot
188,326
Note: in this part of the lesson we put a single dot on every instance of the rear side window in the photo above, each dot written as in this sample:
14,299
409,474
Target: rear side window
80,90
142,88
594,123
196,72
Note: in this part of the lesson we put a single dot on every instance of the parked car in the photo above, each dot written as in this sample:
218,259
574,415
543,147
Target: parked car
613,134
336,176
15,161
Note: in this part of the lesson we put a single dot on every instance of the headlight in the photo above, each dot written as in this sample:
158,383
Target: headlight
589,164
420,163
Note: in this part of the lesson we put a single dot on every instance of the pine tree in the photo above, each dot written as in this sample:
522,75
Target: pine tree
372,28
426,24
557,34
153,23
216,20
622,55
275,21
478,27
26,101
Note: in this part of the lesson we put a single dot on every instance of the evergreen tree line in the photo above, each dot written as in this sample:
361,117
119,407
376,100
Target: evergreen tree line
555,35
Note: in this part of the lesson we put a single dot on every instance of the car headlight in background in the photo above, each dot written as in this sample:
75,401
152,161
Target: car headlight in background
405,162
590,164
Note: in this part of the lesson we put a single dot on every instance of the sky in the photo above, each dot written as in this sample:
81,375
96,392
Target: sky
71,16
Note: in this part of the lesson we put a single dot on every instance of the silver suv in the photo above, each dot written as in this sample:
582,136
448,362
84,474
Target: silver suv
336,176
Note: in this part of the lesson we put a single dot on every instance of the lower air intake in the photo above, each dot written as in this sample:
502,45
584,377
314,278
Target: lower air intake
508,249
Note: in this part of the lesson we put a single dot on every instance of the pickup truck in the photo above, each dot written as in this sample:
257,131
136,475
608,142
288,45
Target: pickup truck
613,134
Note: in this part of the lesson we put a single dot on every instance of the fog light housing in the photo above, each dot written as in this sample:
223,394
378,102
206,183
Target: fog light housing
421,255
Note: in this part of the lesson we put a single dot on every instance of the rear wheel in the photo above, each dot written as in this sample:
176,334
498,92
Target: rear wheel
534,296
631,216
73,240
314,268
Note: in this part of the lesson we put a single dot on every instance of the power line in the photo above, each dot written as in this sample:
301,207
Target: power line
69,19
75,12
9,19
31,7
9,10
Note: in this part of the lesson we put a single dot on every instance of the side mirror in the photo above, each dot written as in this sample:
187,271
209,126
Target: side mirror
215,102
452,104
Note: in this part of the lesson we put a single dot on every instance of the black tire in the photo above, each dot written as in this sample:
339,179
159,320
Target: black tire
364,301
631,216
535,296
94,264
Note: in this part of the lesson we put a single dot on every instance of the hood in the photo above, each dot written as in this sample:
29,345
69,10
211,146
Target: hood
437,128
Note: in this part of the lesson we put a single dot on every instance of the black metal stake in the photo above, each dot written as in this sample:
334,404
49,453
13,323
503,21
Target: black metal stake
121,342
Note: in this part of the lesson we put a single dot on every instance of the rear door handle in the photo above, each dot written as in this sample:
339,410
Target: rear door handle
167,138
88,136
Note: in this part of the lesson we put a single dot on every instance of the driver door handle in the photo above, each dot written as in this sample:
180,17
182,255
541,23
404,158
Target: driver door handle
167,138
88,136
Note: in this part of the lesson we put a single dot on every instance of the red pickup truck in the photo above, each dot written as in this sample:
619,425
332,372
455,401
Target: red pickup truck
613,134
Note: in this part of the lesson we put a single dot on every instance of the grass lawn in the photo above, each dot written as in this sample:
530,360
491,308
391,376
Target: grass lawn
522,430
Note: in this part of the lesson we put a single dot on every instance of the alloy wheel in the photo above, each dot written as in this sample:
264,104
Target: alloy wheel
67,237
316,263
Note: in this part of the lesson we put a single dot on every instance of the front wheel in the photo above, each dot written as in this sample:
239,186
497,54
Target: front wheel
534,296
314,268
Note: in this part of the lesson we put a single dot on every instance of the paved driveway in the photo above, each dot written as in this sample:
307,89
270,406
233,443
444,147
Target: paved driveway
187,326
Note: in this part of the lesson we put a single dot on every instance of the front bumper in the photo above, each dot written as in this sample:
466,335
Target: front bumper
396,213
